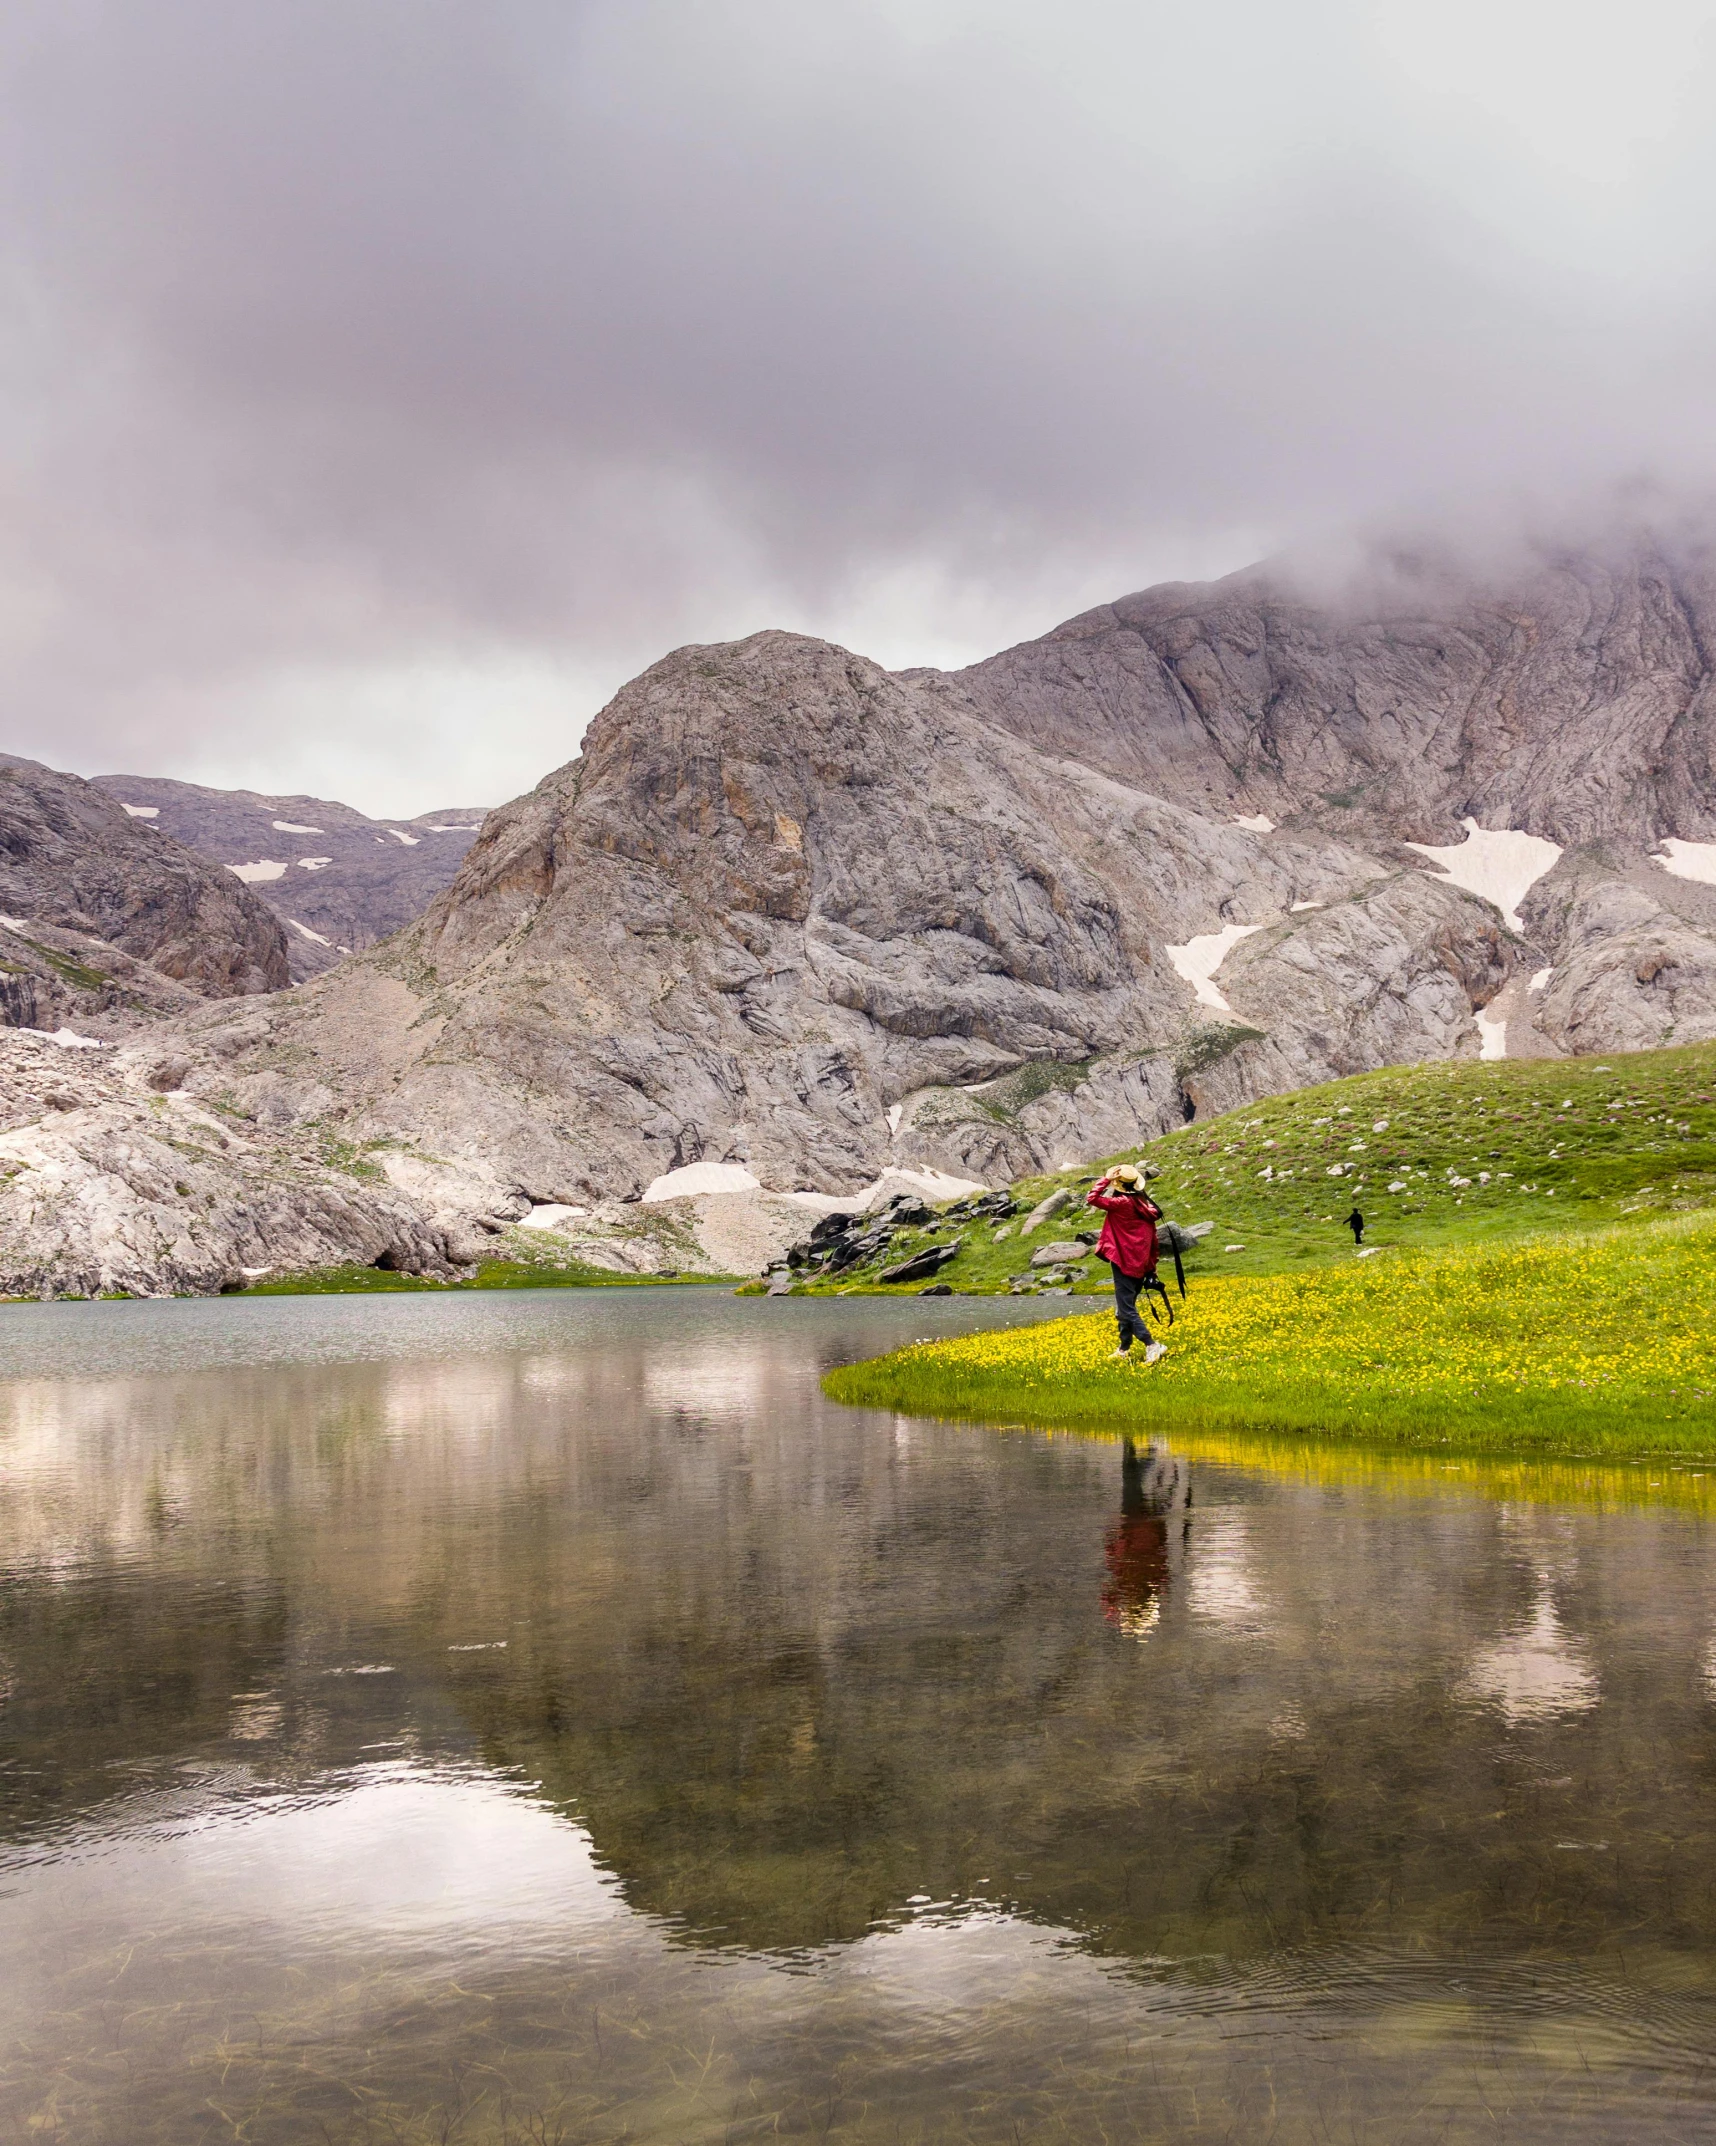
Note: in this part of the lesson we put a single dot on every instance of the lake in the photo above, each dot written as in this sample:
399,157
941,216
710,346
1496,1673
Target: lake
543,1717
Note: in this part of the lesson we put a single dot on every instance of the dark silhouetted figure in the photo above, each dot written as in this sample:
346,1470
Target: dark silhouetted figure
1136,1552
1355,1222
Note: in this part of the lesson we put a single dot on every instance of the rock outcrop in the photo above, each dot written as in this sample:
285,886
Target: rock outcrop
337,879
101,919
1577,702
114,1181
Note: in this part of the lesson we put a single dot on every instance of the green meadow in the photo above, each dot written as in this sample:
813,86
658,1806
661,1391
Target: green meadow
1538,1279
1480,1154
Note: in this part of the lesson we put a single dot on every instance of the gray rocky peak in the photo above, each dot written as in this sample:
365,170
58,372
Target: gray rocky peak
99,917
337,879
1575,702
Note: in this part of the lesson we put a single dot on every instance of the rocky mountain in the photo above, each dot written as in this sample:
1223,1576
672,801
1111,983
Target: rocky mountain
800,921
1578,704
101,923
113,1178
339,880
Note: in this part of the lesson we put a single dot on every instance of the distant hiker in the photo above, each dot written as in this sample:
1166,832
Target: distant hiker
1128,1243
1355,1222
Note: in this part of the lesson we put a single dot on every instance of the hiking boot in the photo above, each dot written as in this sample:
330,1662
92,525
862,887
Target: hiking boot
1155,1352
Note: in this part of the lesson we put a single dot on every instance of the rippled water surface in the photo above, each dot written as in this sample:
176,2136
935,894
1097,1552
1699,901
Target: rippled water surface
545,1718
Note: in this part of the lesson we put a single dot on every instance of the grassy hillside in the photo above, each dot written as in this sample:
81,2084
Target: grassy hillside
1477,1154
1599,1345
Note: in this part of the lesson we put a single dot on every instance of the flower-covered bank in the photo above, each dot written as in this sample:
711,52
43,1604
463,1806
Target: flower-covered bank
1595,1345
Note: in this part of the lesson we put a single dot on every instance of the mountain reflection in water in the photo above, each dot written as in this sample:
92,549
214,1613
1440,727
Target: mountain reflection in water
548,1718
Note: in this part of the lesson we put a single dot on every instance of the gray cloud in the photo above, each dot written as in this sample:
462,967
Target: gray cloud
385,380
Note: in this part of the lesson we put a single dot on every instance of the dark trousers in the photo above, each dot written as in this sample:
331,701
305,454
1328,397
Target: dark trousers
1126,1312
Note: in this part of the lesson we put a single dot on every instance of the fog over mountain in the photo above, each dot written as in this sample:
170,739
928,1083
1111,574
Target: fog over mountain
384,384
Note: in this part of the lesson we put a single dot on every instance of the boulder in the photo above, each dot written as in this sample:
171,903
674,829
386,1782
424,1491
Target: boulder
922,1264
1045,1210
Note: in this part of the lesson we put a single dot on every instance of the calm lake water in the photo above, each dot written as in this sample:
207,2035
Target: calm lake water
545,1718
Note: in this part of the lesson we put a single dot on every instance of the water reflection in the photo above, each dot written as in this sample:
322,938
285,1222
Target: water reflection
1536,1672
595,1729
1154,1524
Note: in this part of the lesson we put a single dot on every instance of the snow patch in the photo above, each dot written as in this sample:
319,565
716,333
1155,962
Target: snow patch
14,923
926,1183
141,812
550,1215
1499,865
1494,1034
1540,979
894,1113
453,827
266,868
1689,860
1259,823
1298,906
304,931
291,827
398,834
313,864
69,1039
1198,960
695,1177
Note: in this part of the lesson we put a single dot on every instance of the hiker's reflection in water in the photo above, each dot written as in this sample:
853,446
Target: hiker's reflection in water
1155,1514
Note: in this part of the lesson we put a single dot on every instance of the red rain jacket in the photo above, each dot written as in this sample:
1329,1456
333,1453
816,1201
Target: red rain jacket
1128,1239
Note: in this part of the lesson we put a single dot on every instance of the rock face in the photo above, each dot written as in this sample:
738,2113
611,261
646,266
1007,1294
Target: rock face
107,1183
337,879
99,918
1577,703
791,912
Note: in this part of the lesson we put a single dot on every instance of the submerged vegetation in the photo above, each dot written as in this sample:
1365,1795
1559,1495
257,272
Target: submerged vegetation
1601,1345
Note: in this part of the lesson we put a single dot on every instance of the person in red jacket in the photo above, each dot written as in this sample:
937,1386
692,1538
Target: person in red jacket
1128,1243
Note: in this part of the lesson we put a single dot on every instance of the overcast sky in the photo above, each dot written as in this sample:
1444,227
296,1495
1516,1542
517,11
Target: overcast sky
383,381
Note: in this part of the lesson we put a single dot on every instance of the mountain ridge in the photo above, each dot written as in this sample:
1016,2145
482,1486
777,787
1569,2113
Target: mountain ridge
338,879
789,911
